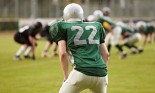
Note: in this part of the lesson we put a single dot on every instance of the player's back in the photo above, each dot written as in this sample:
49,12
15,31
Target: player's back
149,28
24,31
107,20
82,37
83,43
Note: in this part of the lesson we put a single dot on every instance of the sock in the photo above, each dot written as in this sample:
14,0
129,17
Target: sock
119,48
133,49
127,45
109,47
20,51
28,50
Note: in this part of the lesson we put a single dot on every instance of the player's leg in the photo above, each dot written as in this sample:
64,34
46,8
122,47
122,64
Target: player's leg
149,38
55,50
129,42
75,83
120,49
107,41
19,39
153,37
69,88
132,42
46,49
101,85
19,52
27,52
115,41
133,48
145,41
109,47
28,49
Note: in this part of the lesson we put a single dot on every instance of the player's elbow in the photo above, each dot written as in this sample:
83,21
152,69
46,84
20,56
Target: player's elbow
62,55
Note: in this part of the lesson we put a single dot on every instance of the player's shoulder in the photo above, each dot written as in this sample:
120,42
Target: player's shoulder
24,28
54,23
59,24
54,27
92,23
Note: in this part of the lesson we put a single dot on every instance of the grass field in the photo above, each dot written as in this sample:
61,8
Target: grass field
135,74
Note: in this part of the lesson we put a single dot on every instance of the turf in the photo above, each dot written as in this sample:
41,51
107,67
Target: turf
135,74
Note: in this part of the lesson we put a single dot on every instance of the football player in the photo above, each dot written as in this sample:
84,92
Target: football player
106,12
26,36
84,42
110,28
107,25
130,37
49,43
147,30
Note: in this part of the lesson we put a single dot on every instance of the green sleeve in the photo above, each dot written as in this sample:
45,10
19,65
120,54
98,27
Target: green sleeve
102,34
56,32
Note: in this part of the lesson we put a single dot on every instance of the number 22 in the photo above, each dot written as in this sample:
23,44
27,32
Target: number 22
91,40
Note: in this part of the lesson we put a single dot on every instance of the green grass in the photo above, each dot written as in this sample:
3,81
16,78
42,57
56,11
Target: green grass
135,74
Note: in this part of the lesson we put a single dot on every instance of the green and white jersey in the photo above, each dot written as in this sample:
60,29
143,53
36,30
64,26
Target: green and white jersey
148,29
126,29
83,45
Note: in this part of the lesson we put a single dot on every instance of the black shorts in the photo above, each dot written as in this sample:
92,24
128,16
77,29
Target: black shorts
19,38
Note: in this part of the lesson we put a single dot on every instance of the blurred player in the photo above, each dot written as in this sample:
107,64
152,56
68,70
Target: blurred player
49,43
109,27
106,12
26,36
130,37
147,30
84,42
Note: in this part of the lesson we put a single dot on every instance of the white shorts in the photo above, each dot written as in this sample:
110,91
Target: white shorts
108,38
132,39
116,35
78,82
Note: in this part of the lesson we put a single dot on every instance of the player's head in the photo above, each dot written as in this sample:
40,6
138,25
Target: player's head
91,18
73,11
140,25
38,23
98,14
106,11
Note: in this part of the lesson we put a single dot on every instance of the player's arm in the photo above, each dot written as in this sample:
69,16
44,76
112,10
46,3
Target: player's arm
32,39
107,26
104,52
63,57
33,42
103,48
59,37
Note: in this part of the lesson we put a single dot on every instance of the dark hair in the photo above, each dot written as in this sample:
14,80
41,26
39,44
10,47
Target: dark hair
38,24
